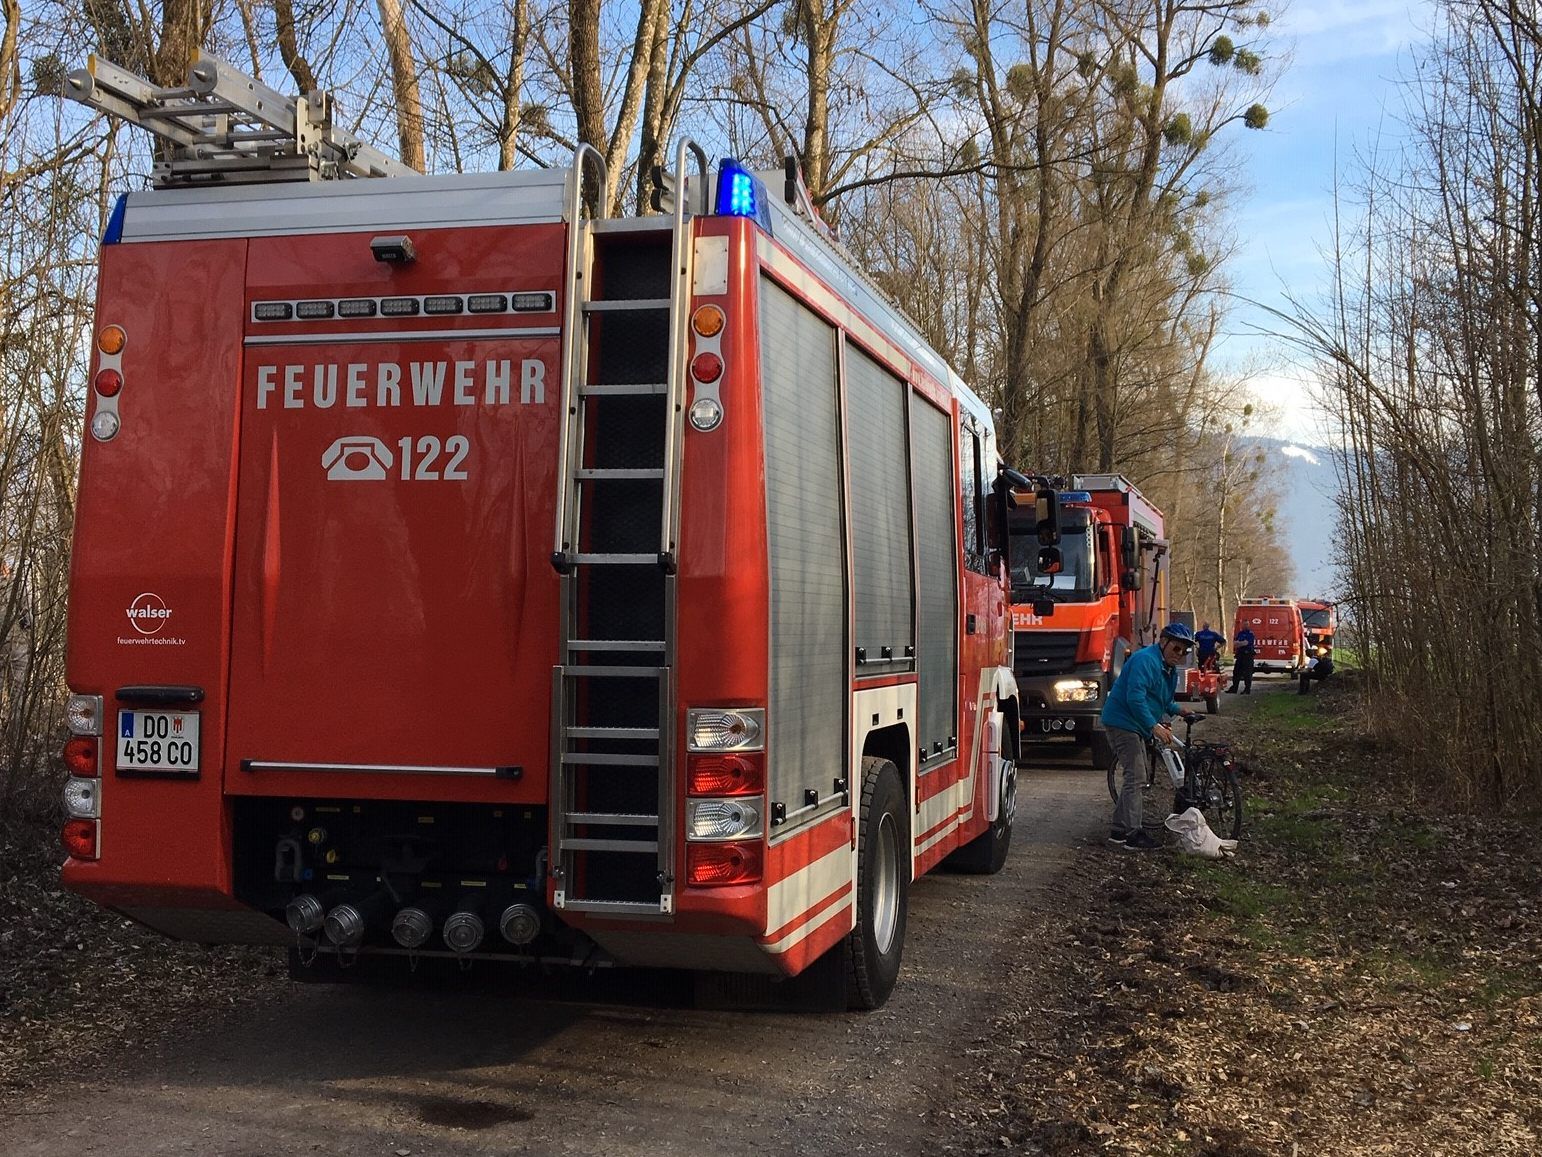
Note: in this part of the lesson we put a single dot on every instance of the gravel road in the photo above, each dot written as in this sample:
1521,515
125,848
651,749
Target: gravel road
352,1070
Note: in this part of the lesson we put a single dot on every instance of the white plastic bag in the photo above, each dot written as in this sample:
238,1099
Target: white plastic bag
1196,838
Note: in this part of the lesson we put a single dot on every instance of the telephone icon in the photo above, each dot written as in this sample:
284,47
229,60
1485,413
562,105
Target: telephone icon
357,458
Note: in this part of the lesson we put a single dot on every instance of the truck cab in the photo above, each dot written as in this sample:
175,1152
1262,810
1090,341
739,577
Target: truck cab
1072,628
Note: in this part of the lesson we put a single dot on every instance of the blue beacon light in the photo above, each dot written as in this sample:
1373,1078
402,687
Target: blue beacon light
740,194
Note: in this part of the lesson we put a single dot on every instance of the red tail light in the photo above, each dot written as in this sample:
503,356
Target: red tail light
80,755
79,838
715,865
707,367
108,383
737,774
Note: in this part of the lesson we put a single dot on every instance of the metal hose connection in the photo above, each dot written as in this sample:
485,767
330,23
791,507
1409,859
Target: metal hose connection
520,923
305,914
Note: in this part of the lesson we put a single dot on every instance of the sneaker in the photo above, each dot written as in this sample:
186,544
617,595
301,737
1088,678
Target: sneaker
1140,842
1117,835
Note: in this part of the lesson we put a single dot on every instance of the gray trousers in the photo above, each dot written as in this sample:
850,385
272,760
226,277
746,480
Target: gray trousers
1130,756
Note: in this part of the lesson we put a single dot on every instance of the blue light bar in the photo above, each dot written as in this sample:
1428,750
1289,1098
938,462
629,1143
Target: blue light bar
741,194
1075,496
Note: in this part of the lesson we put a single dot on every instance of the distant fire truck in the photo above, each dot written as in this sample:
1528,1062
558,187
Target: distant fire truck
1073,628
1277,633
459,573
1320,621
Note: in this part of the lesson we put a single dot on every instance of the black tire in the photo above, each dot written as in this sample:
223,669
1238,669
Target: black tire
1212,705
986,854
1217,792
875,946
1102,751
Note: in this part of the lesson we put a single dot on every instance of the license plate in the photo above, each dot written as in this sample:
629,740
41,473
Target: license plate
158,741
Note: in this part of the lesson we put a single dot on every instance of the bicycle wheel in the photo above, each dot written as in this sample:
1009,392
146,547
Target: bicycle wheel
1215,790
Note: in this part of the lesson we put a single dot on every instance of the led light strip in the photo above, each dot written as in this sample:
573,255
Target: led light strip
279,310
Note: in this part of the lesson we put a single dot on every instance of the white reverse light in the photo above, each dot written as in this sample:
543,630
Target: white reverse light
81,799
715,729
706,414
104,426
84,714
722,819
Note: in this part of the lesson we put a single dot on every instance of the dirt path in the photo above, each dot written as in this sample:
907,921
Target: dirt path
352,1070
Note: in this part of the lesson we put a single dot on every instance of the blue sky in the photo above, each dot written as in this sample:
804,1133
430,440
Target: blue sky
1337,95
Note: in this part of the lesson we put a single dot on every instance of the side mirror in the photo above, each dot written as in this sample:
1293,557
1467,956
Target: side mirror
1049,560
1046,509
1044,608
1129,549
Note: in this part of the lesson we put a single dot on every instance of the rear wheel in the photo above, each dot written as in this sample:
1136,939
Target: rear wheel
986,854
875,945
1116,773
1215,790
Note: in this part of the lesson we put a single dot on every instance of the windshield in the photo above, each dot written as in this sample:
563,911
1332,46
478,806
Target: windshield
1074,583
1318,620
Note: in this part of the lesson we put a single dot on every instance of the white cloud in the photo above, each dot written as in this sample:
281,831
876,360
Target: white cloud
1300,452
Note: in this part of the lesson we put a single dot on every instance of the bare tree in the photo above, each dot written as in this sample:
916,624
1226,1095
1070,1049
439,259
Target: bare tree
404,83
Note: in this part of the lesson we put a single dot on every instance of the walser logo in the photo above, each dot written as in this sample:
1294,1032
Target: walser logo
148,615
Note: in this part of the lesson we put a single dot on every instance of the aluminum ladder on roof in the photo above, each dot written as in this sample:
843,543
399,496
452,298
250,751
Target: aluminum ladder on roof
226,127
612,767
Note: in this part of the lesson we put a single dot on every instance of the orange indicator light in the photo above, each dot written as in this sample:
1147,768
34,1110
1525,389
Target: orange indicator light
708,321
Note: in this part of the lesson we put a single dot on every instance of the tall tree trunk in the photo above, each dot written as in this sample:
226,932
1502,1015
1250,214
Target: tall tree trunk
514,87
182,26
289,46
404,84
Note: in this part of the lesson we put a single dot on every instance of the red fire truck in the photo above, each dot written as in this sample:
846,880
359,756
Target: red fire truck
1277,633
1072,629
459,573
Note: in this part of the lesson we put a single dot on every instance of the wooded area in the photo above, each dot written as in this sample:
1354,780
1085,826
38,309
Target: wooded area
1044,187
1431,352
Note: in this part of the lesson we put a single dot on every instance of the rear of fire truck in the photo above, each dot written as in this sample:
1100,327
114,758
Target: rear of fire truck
1277,632
380,540
311,631
1073,628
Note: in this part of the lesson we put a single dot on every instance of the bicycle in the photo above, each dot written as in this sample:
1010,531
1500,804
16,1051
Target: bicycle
1210,784
1208,780
1116,773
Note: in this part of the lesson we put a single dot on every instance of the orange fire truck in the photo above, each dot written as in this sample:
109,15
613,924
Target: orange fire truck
1319,620
1277,633
460,573
1073,628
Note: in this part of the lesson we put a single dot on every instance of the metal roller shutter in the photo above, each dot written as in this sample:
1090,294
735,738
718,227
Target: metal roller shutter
806,740
880,515
937,555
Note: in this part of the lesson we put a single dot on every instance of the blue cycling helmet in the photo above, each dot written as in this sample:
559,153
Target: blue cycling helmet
1180,631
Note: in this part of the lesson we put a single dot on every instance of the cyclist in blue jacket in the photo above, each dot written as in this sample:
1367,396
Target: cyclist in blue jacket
1137,703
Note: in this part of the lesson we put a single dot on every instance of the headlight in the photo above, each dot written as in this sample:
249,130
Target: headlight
1076,691
80,798
718,729
722,819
